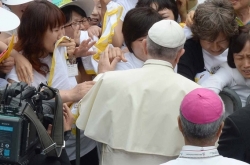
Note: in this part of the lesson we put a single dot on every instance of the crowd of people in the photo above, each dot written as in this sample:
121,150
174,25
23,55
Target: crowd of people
141,79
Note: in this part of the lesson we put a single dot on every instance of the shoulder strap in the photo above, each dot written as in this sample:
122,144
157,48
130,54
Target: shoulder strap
52,145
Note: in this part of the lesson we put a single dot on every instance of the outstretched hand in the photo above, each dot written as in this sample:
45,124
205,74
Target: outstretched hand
70,45
182,9
68,118
7,65
83,49
24,68
189,20
94,31
109,59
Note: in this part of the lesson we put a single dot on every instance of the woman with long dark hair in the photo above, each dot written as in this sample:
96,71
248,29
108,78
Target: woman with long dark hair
41,40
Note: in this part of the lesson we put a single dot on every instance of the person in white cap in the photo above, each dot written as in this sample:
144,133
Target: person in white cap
17,7
77,15
6,25
133,112
201,122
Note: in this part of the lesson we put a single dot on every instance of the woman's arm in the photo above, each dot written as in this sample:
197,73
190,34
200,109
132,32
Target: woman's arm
4,37
23,67
77,93
219,80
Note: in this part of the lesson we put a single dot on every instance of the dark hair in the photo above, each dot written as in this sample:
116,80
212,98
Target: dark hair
38,17
237,43
213,17
161,4
69,9
137,23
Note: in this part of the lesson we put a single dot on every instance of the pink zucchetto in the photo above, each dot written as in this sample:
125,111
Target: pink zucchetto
202,106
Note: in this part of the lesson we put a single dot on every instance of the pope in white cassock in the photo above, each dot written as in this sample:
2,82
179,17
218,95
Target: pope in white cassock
133,112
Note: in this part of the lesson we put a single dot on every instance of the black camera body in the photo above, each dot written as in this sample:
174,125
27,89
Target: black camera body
18,140
18,135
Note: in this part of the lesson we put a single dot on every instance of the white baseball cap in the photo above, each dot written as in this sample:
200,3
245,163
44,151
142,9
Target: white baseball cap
86,5
15,2
8,20
167,33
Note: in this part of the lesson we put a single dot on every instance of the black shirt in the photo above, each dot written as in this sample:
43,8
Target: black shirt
192,61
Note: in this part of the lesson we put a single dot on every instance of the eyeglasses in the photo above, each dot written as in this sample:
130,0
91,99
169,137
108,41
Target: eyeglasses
84,21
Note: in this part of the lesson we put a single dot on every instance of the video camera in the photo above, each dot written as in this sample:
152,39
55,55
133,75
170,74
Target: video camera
25,113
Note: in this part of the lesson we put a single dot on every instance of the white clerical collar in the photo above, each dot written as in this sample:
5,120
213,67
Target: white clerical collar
195,152
158,62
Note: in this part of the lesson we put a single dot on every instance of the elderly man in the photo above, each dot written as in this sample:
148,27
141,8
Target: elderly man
201,121
133,113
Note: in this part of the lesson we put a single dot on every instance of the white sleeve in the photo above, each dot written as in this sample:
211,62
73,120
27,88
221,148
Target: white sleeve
12,75
188,33
3,83
219,80
123,15
123,66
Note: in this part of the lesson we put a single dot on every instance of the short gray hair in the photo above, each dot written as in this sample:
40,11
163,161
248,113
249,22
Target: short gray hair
200,131
156,50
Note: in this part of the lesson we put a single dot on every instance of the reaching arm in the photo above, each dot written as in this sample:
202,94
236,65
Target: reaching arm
77,93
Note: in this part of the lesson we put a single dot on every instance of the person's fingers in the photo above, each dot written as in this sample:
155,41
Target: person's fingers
83,48
90,82
23,75
77,34
94,31
66,116
5,69
106,54
91,32
66,108
89,53
114,53
123,57
120,54
115,61
29,74
91,35
99,32
189,20
90,44
87,85
68,44
7,63
85,43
